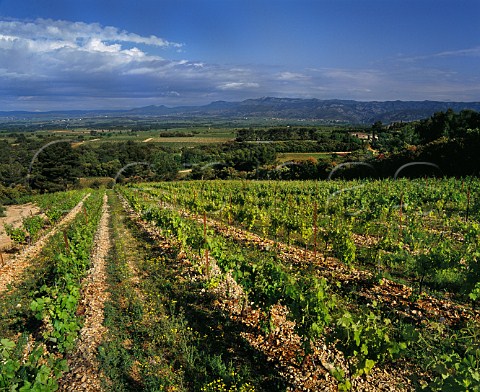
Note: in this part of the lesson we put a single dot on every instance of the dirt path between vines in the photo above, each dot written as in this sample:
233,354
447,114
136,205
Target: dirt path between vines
282,346
390,294
11,272
84,374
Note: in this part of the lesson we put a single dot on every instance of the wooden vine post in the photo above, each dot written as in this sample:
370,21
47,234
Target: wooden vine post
65,239
207,266
194,205
468,204
400,217
1,260
315,229
401,207
230,210
85,214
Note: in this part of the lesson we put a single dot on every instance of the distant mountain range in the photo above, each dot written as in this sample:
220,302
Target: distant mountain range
334,110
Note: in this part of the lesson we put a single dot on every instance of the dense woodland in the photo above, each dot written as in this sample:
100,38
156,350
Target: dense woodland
448,139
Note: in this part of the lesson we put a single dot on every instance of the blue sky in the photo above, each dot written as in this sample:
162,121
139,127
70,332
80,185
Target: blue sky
101,54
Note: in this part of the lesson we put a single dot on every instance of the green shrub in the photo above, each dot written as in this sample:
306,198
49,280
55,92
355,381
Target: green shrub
16,234
365,340
33,225
458,369
36,371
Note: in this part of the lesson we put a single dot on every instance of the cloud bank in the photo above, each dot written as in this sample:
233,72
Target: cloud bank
55,64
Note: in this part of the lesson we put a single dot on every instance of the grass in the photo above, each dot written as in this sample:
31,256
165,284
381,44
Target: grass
95,182
304,156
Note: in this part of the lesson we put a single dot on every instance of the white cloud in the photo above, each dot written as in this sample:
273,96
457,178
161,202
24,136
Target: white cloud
475,52
96,45
8,38
237,86
53,49
76,31
33,45
291,76
64,62
468,52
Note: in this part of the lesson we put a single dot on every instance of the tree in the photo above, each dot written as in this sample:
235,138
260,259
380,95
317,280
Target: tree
56,168
377,128
12,173
251,157
166,166
436,126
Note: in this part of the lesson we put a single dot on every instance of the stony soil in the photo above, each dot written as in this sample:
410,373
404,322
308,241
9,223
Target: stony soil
14,216
11,272
391,294
282,347
84,374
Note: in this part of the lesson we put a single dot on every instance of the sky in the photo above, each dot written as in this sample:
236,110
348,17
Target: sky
116,54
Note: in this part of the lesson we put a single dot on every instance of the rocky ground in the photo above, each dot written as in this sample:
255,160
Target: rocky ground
14,266
84,374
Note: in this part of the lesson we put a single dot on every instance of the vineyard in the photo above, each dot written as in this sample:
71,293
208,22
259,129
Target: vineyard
246,286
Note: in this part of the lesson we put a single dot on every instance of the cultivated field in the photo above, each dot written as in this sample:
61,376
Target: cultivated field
246,286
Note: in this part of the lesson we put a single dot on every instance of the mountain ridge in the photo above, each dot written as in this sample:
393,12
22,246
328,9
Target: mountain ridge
329,110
